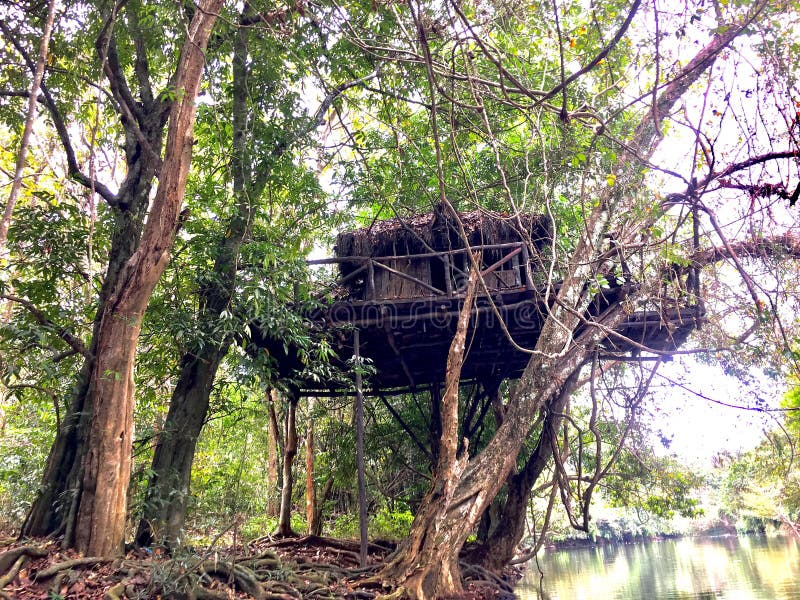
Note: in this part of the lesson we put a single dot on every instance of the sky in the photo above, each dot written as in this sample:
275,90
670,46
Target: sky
699,424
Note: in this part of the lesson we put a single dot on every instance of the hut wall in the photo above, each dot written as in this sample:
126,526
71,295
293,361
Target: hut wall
422,234
502,280
388,285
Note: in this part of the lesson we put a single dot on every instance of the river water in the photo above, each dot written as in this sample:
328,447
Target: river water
728,568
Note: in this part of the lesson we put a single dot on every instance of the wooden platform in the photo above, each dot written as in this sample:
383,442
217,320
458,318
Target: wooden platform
406,342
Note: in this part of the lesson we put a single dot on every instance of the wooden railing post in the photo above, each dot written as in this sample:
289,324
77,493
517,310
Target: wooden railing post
526,263
370,280
448,275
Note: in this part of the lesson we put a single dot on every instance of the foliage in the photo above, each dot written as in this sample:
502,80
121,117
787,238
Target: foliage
763,484
383,525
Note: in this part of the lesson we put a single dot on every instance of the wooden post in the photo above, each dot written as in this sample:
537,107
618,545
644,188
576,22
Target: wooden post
448,275
515,268
362,490
370,280
526,263
311,492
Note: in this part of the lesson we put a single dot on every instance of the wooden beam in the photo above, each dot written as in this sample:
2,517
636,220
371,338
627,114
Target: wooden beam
434,314
344,259
399,355
526,262
448,275
370,280
500,262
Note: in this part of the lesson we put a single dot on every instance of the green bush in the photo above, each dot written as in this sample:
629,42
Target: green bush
385,524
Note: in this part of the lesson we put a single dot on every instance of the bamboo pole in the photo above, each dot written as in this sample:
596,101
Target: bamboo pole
362,490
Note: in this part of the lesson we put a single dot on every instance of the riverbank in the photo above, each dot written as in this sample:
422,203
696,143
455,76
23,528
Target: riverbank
715,531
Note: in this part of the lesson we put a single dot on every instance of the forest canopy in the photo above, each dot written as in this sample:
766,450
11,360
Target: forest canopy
173,172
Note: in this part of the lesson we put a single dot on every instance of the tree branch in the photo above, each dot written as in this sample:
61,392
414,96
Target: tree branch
61,129
597,59
72,340
781,246
106,46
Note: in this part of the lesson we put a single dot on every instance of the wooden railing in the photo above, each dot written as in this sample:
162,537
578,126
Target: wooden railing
369,265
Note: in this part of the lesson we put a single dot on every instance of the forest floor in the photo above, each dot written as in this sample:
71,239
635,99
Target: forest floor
267,569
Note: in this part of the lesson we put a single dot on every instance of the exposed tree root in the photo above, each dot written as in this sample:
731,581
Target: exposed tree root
12,561
478,574
13,571
244,578
71,564
319,569
9,557
54,590
201,593
115,593
395,595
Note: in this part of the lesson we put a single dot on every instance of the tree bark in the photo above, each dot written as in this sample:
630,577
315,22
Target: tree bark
53,509
272,457
424,562
499,548
289,452
168,488
163,510
102,508
311,492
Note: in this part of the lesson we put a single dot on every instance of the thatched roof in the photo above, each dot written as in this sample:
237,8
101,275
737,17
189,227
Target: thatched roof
436,231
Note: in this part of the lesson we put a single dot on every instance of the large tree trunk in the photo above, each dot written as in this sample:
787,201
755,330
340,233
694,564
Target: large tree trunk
103,504
289,452
168,488
426,564
54,508
59,492
499,548
164,510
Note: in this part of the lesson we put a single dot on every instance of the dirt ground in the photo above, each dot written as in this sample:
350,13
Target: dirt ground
267,569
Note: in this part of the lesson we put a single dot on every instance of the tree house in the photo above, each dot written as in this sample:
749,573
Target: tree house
402,283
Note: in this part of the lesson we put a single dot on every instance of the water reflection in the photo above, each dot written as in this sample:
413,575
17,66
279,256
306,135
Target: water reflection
728,568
